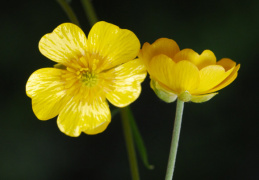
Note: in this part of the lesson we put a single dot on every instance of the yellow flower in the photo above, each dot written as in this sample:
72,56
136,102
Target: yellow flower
89,71
185,74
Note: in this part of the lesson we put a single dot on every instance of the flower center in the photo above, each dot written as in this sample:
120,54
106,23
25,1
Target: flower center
84,70
89,79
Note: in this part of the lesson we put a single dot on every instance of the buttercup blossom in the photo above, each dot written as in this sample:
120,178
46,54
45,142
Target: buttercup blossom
89,71
185,74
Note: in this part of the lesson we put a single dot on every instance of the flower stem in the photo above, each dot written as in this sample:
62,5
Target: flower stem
69,11
89,11
129,143
175,140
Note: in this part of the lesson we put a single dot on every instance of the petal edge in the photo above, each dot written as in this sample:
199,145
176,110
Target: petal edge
65,43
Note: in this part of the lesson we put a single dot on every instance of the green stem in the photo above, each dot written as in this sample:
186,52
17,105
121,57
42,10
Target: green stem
129,143
175,140
69,11
89,11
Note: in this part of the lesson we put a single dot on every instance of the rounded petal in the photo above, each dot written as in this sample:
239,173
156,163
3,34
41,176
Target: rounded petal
227,81
81,116
186,54
202,98
226,63
145,54
160,69
186,77
210,77
126,83
183,76
206,58
65,43
45,87
164,46
111,44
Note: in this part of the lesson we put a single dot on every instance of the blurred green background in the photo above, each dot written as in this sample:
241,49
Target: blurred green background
219,138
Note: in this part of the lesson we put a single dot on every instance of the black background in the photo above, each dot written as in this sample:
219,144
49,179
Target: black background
219,138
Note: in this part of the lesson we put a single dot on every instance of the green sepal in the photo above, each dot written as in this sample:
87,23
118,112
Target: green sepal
185,96
164,95
202,98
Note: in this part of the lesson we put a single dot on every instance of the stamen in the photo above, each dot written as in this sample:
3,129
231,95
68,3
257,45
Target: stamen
85,71
83,59
94,64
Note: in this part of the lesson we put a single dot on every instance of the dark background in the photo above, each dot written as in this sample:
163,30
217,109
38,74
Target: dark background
219,138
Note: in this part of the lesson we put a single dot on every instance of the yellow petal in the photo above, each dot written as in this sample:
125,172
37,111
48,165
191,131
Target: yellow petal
126,79
45,87
227,81
164,46
186,77
187,54
202,98
226,63
65,43
210,77
114,45
145,54
183,76
160,70
81,116
206,58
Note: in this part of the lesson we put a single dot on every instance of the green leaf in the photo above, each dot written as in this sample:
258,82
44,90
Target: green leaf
139,141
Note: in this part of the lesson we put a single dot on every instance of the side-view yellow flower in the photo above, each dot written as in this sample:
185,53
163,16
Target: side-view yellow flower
185,74
89,71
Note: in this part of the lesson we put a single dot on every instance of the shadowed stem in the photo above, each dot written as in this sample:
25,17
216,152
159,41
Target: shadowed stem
69,11
89,11
175,140
129,142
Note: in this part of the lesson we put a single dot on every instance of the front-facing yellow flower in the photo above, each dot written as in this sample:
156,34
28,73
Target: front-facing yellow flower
185,74
89,71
